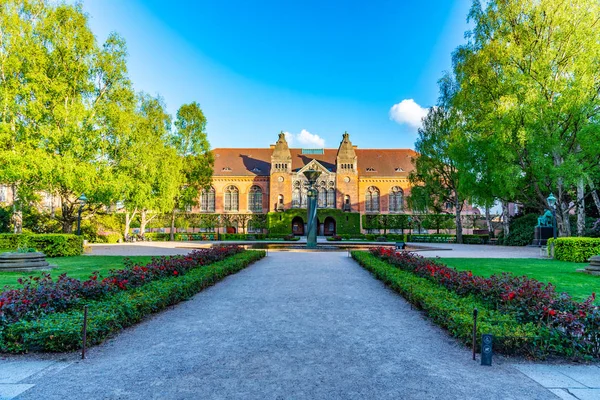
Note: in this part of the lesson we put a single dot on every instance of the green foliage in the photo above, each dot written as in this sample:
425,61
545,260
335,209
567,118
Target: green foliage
346,222
109,238
61,332
444,238
52,245
575,249
5,222
521,231
528,79
454,312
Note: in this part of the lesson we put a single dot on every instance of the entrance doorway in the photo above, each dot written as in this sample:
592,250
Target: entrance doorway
298,226
231,229
329,228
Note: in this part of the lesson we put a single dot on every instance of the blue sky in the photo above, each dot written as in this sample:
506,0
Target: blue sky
311,68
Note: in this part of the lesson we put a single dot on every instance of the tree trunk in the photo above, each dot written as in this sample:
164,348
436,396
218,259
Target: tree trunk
488,221
17,212
144,220
172,232
67,218
505,219
457,210
594,193
128,219
580,208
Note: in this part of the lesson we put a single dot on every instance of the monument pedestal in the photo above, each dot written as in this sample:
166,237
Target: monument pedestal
542,234
594,267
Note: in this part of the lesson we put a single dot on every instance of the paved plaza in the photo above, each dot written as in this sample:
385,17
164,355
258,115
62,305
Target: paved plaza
294,325
426,249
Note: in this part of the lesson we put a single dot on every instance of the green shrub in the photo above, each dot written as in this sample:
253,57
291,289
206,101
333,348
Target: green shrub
521,231
161,236
61,332
575,249
51,244
392,237
445,238
455,313
108,237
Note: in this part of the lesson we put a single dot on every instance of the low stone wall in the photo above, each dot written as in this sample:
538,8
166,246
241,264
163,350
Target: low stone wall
23,262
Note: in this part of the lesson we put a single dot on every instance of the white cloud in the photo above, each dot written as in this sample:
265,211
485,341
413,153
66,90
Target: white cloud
408,112
305,139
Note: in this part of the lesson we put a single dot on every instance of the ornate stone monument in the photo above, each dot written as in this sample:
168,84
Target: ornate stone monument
543,230
311,236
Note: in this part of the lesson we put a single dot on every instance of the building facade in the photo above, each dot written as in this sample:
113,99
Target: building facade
266,180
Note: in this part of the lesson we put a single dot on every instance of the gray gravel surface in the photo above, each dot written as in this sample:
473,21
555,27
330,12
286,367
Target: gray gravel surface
292,326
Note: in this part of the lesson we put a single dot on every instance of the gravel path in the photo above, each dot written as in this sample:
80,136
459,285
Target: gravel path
294,325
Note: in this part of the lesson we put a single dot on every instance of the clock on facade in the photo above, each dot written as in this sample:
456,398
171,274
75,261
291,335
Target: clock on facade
347,179
280,179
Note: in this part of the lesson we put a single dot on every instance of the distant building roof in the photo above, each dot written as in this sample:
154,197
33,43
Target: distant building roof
257,162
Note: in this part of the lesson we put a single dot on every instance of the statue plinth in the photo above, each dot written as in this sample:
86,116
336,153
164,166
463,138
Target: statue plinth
541,235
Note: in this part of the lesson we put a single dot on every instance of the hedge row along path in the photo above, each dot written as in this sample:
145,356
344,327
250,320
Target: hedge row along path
293,325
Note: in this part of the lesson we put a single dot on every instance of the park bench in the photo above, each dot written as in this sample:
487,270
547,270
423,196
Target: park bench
400,245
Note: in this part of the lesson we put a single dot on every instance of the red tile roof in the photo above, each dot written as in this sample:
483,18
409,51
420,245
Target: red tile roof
257,162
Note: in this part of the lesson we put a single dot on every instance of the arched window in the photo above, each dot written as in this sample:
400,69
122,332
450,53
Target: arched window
331,198
207,200
296,198
255,199
232,197
322,199
372,199
396,199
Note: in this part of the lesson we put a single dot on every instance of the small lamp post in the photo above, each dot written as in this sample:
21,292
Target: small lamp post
81,200
552,204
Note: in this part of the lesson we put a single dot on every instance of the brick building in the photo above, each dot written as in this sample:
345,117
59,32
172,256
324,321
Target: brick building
267,180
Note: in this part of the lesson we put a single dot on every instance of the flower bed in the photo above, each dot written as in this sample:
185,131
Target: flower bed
453,311
573,328
41,295
61,331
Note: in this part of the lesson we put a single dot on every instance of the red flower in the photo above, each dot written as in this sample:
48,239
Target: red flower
511,295
552,312
175,273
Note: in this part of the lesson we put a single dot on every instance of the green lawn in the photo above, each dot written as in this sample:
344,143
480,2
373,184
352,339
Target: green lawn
562,274
79,267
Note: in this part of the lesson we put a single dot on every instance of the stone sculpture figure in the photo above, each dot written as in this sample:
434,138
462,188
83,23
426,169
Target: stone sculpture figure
545,220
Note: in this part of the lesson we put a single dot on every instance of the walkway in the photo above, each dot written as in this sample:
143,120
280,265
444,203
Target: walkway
444,249
295,325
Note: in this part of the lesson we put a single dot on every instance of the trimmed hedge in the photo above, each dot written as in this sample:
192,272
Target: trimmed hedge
454,312
347,223
575,249
181,237
60,332
51,244
444,238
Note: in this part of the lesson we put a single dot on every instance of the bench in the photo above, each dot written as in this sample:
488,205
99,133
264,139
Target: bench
400,245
